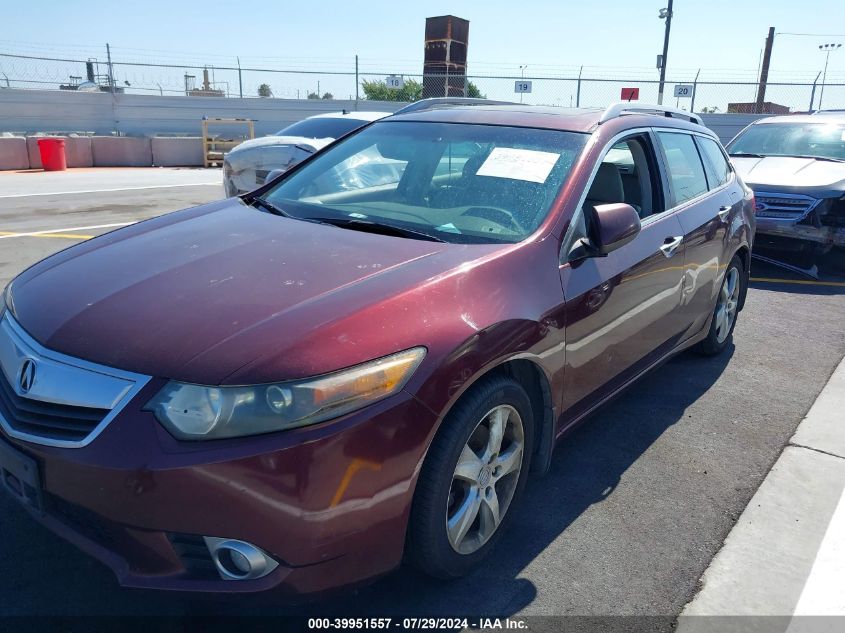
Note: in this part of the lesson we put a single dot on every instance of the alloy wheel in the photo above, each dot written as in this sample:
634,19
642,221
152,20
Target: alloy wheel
727,305
485,479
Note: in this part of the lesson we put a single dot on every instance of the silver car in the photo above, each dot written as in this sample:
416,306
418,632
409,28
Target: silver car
796,166
249,165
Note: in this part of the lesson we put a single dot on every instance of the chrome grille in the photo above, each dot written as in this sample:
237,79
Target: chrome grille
46,419
53,399
783,206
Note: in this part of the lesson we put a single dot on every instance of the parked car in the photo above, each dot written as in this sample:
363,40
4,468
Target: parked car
249,164
304,386
796,166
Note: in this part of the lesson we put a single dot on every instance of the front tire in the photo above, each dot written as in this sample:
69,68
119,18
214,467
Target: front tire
474,473
727,309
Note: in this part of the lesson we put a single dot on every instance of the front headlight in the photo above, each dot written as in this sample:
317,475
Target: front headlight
196,412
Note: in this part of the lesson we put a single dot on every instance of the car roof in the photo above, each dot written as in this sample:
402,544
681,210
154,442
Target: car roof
546,117
359,115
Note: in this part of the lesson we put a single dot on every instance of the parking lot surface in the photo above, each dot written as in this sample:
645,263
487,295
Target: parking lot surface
638,500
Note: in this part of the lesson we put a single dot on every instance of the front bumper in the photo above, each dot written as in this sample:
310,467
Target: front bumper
800,217
330,502
794,230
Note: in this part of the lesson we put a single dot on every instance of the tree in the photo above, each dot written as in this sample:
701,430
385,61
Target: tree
474,92
264,90
411,91
313,95
327,95
710,110
378,91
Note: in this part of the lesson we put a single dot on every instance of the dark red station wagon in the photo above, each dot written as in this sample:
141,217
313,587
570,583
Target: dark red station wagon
360,362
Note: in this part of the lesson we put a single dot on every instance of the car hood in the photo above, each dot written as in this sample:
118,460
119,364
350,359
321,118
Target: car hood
201,294
784,172
265,141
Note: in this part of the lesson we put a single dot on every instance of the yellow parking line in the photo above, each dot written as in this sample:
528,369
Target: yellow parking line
66,236
803,282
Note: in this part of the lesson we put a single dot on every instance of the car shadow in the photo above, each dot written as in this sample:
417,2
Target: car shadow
586,469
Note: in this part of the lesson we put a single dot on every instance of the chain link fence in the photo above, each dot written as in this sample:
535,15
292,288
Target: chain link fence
312,78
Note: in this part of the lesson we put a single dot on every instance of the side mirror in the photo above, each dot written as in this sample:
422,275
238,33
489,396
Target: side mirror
613,226
273,175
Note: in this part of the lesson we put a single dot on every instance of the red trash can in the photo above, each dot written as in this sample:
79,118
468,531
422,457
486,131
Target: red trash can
52,152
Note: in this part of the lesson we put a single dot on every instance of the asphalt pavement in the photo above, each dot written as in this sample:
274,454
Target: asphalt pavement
638,500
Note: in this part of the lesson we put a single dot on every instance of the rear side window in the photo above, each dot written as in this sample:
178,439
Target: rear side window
686,172
718,169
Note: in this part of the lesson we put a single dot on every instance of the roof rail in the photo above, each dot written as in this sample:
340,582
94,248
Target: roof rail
622,108
445,102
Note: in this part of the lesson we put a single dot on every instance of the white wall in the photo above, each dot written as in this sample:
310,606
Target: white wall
29,111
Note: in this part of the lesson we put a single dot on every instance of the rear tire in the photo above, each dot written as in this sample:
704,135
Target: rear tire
726,311
470,481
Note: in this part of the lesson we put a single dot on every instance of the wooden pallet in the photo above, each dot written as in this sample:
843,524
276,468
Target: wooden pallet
215,148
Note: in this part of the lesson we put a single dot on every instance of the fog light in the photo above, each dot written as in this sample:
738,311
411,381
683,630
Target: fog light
239,560
235,563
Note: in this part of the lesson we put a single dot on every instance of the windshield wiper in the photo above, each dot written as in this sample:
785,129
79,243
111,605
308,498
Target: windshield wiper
746,155
369,226
269,206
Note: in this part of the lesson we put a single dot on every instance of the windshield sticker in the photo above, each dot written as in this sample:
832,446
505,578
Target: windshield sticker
518,164
448,228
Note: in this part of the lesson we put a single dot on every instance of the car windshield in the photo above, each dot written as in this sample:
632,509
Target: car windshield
322,127
455,182
818,140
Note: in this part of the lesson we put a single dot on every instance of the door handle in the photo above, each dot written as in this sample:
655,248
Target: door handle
671,245
724,212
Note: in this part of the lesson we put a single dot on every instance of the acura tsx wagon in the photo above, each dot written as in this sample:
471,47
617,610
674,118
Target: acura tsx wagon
304,386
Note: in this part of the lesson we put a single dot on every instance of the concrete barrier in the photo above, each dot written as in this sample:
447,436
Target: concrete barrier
176,151
121,151
77,151
13,154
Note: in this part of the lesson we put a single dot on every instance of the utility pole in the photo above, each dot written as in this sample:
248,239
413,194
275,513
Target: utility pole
356,82
826,49
665,14
240,80
764,72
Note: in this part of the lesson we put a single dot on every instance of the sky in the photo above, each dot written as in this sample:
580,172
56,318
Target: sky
611,38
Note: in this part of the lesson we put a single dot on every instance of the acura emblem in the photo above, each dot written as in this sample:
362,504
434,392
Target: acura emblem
27,375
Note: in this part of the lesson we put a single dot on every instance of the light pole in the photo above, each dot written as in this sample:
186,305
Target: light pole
522,76
665,14
827,49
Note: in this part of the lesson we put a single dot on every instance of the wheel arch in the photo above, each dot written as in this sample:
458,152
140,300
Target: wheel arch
744,254
531,375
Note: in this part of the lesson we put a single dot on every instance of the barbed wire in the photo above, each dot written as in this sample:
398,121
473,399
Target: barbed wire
332,63
165,72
